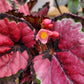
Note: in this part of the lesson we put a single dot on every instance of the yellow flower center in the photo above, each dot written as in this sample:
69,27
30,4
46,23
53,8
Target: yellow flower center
43,35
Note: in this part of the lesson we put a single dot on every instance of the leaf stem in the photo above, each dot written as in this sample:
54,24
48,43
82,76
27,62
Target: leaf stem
33,74
32,68
58,6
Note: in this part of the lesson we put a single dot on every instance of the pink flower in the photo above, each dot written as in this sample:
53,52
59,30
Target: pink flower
55,35
44,34
46,23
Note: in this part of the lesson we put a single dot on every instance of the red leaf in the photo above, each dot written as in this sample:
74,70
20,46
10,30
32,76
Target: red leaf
4,49
43,11
33,20
70,33
23,9
11,63
4,6
3,28
73,66
5,41
31,4
27,35
67,66
49,72
14,30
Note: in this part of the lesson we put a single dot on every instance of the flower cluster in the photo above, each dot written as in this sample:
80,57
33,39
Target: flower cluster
44,34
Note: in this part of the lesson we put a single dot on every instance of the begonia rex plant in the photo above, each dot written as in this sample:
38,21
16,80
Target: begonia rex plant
35,49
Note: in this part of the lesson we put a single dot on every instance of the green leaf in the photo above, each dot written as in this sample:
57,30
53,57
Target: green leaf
82,29
9,1
73,6
38,81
